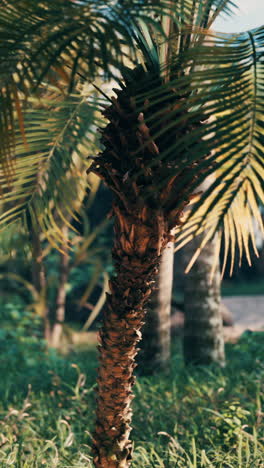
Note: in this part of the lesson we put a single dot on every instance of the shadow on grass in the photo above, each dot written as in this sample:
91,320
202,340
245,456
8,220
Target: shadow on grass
28,362
192,413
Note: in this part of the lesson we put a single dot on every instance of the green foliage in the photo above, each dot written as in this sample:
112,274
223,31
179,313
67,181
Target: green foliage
59,41
21,343
243,288
49,179
89,257
193,418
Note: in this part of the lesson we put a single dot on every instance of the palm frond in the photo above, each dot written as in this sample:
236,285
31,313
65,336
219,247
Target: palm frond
63,39
230,85
49,179
58,41
207,11
211,116
210,111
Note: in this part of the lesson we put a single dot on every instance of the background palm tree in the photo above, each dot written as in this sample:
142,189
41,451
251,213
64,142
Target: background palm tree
155,345
157,150
203,341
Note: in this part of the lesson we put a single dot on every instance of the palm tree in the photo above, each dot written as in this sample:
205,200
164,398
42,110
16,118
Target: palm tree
203,341
157,150
134,165
145,212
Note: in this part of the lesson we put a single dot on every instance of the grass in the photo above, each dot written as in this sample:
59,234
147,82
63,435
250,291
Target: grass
196,417
243,288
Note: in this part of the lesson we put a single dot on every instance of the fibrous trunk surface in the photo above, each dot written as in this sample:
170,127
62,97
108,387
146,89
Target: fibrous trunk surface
121,331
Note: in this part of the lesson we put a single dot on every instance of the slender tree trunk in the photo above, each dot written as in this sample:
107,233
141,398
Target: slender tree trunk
203,325
156,340
39,279
59,316
138,245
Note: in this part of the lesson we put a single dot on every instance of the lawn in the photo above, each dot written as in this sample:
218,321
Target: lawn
243,288
202,417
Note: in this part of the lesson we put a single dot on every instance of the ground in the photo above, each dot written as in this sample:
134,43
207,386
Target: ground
247,312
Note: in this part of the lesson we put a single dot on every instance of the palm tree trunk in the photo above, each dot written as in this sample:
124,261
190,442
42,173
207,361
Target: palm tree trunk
203,325
139,241
154,355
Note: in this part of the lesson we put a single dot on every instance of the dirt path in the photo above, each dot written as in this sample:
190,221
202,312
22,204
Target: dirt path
248,314
246,310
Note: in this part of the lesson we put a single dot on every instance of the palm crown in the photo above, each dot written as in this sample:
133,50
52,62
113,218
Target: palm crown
218,79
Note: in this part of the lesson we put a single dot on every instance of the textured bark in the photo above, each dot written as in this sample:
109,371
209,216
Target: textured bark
138,245
203,324
156,340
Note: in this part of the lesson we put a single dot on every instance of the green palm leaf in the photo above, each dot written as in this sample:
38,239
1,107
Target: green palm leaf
219,80
49,179
230,87
58,40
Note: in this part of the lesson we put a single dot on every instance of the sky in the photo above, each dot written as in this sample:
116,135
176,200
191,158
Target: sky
250,15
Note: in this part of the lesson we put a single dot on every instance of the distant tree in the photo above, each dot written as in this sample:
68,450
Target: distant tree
203,321
154,354
203,341
57,321
39,279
